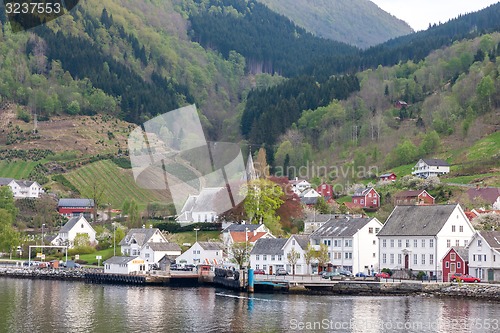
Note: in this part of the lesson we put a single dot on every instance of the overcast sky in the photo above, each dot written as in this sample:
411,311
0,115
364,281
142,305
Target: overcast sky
419,13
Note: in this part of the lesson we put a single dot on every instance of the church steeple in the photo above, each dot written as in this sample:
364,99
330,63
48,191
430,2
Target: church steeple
250,168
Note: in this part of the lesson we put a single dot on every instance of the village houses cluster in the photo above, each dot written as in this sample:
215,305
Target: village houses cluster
418,236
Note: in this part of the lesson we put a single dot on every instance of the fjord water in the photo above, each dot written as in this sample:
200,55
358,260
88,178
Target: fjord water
59,306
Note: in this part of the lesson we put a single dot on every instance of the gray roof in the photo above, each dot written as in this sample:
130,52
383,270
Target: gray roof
344,227
5,181
416,220
119,260
435,162
71,223
302,240
311,217
141,235
362,191
492,238
75,202
462,251
271,246
164,246
309,200
235,227
211,246
206,200
24,183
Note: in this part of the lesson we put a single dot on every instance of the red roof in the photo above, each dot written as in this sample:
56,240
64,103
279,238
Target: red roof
352,205
239,236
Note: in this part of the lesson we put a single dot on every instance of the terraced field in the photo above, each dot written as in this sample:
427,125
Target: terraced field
16,169
116,183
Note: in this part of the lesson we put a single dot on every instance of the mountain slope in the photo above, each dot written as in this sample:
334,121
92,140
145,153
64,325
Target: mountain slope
357,22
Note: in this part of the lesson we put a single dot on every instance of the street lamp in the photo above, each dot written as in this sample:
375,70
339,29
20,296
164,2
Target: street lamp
43,226
196,231
246,246
114,239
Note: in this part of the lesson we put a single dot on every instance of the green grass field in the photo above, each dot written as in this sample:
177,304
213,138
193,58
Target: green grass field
106,254
190,237
17,169
117,184
485,148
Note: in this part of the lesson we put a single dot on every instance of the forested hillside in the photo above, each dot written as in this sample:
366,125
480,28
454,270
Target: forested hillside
356,22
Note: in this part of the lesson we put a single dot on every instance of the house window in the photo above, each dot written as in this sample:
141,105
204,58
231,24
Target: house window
146,255
257,257
392,242
431,259
82,226
198,252
279,257
194,251
423,259
407,243
448,243
362,201
431,242
459,264
384,258
466,242
337,243
265,257
264,267
473,257
355,200
400,258
423,242
327,242
447,264
337,255
415,259
374,201
494,258
370,230
479,243
293,242
479,257
457,242
348,243
384,242
374,255
217,253
348,255
392,258
461,228
377,230
415,243
400,242
273,258
453,256
453,228
369,195
374,242
484,257
257,266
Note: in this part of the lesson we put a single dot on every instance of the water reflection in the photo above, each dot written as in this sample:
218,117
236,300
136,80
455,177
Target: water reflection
56,306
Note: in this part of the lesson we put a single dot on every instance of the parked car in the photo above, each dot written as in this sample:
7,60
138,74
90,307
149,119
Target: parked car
464,278
173,267
345,273
329,275
383,275
360,274
189,267
281,271
259,271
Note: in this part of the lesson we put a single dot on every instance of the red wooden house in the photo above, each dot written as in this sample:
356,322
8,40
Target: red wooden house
366,198
326,191
456,260
71,207
388,177
420,197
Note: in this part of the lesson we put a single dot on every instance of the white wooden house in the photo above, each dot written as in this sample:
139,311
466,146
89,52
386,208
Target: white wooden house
430,167
210,253
136,238
22,188
352,243
75,226
418,237
484,255
124,265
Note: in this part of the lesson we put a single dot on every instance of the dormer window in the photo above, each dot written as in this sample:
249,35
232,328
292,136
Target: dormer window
82,226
